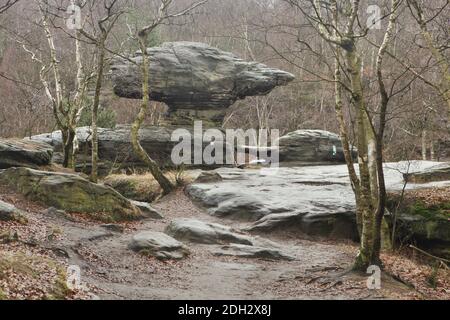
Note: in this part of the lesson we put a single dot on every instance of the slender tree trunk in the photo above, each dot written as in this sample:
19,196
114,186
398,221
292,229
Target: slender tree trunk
432,150
424,144
165,184
69,152
372,154
66,112
95,106
381,229
344,138
364,257
76,107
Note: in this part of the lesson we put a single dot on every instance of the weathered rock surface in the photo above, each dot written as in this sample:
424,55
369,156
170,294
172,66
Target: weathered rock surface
147,210
311,146
196,231
70,192
245,251
423,218
440,172
304,147
227,203
113,227
333,224
115,146
314,200
195,76
235,243
142,188
21,153
208,177
8,212
159,245
315,205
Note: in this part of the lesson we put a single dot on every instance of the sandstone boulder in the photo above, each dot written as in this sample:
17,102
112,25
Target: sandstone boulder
115,148
423,218
206,233
208,177
115,144
70,192
197,77
21,153
440,172
159,245
147,210
311,147
8,212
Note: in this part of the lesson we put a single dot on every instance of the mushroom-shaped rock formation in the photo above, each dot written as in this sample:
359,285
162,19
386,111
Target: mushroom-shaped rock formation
196,80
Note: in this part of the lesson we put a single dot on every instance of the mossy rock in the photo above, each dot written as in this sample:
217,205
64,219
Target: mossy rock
423,221
71,193
20,264
427,229
10,213
143,188
440,172
24,153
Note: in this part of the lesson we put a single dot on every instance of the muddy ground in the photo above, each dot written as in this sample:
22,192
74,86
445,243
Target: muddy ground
109,270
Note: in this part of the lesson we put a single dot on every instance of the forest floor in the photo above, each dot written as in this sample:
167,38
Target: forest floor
40,250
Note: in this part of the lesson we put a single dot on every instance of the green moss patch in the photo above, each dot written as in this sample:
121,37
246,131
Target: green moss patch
423,217
71,193
40,277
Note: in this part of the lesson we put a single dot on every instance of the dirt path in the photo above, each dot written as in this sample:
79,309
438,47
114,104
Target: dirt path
113,271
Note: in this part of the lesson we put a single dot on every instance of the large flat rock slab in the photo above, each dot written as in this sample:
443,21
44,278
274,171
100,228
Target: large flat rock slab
440,172
159,245
21,153
303,147
115,147
70,192
115,144
314,200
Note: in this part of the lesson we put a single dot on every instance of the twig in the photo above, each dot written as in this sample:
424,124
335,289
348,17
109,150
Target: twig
430,255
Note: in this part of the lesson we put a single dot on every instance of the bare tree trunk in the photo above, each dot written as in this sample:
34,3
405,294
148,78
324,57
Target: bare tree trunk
95,105
344,137
61,114
68,143
364,257
424,144
165,184
381,228
432,150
